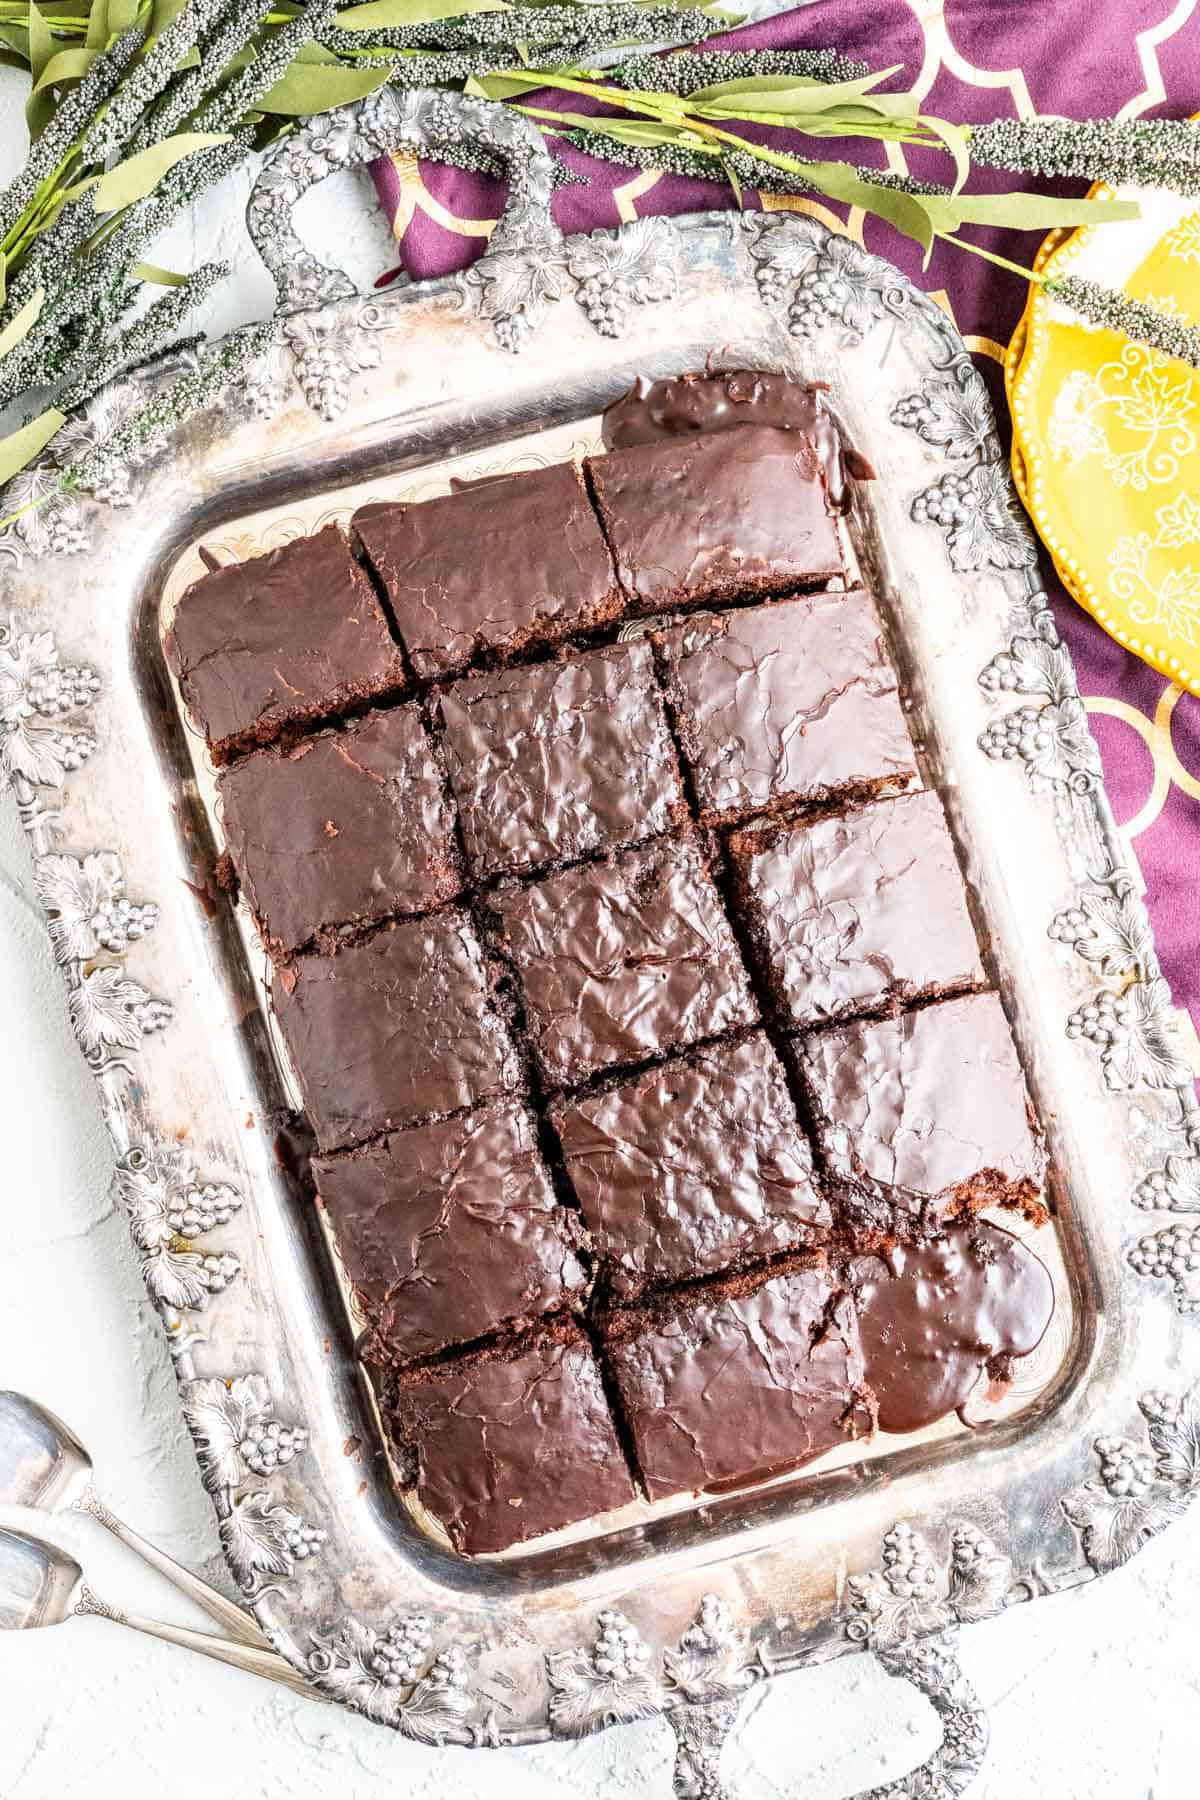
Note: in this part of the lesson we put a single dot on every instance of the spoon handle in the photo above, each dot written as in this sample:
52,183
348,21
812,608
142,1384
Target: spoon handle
231,1617
251,1658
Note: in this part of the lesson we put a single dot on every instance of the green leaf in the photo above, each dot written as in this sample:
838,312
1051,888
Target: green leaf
734,182
161,14
905,212
501,87
144,271
1021,212
39,105
3,277
139,175
314,53
23,322
20,447
17,39
779,92
66,65
41,41
955,138
122,14
97,30
315,88
375,15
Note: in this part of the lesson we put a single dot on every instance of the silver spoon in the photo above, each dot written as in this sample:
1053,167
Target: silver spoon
41,1585
44,1465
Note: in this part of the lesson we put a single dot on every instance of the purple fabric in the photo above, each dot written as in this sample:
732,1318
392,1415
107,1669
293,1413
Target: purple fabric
1074,57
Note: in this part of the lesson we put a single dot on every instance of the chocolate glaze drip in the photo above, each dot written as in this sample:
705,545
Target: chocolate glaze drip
933,1317
680,405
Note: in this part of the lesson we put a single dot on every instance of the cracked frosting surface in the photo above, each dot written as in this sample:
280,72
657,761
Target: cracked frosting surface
342,830
552,763
727,1391
450,1231
699,517
935,1317
515,1445
681,405
492,567
692,1167
394,1029
927,1100
858,909
785,703
621,960
281,639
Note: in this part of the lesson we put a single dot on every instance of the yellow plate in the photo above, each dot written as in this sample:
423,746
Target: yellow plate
1106,435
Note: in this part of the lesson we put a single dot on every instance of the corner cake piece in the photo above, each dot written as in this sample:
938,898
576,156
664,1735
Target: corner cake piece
935,1317
393,1030
512,1442
451,1231
624,960
344,830
857,911
786,704
495,567
738,1382
693,1167
713,516
265,645
932,1102
550,764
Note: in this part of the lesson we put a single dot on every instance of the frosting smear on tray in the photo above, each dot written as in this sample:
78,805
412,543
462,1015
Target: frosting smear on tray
627,972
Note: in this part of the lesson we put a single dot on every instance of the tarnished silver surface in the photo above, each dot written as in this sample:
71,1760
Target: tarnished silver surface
684,1607
41,1585
43,1466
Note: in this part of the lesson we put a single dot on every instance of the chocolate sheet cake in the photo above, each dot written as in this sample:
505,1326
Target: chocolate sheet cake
493,568
554,763
739,1382
859,910
626,972
344,829
451,1231
624,960
264,647
786,705
697,1165
716,516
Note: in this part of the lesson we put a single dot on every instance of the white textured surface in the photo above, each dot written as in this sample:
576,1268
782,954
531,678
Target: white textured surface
1095,1693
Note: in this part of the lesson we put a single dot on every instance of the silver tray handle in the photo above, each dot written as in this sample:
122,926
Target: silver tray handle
702,1733
481,135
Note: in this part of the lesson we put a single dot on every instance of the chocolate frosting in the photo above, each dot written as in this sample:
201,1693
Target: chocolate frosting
682,405
277,641
495,567
393,1030
451,1231
728,1391
692,1168
550,764
624,960
731,514
345,829
513,1444
934,1317
859,909
926,1101
791,702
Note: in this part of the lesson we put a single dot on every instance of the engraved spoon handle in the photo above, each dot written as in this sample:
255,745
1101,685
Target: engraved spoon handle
231,1617
253,1660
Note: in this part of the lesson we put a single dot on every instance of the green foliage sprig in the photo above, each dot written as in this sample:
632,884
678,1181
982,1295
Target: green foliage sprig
137,107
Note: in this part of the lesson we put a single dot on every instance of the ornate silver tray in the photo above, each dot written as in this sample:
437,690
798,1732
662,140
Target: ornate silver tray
677,1609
